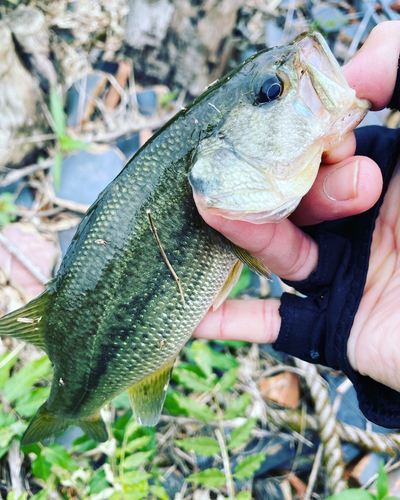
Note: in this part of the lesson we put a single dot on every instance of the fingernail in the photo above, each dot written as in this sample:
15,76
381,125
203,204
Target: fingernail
341,183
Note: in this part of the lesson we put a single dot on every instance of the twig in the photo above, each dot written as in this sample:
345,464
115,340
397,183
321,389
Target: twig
15,458
35,138
314,472
32,268
13,353
227,467
16,175
71,205
178,281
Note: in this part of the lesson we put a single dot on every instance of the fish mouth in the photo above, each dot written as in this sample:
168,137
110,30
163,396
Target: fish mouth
323,88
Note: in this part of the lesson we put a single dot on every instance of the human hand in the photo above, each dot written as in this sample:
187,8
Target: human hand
346,185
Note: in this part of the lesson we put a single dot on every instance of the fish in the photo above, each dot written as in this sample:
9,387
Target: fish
144,268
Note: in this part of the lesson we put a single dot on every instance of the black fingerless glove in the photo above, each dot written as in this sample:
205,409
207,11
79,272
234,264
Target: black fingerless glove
316,328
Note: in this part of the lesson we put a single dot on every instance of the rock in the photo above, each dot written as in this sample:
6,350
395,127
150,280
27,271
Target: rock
283,389
41,253
86,173
83,176
330,19
79,104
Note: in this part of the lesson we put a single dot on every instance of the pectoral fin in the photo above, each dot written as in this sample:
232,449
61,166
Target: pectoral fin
26,323
147,396
228,285
251,262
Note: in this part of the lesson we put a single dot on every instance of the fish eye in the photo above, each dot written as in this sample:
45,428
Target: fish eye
271,89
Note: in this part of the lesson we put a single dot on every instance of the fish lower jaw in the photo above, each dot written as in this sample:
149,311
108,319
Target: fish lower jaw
255,216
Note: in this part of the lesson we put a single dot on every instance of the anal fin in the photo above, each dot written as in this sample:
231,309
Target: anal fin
228,285
94,427
27,323
147,396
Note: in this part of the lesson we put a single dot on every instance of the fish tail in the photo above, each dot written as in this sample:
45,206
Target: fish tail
27,323
45,424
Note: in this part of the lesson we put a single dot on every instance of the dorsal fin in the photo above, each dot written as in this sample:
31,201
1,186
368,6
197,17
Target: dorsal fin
27,322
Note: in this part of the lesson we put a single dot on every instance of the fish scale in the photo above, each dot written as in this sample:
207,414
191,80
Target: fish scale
114,317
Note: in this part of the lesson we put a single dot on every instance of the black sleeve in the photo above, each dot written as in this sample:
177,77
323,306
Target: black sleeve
316,327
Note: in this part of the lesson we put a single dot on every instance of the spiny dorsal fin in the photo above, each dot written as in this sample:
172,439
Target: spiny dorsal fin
147,396
26,323
251,262
228,285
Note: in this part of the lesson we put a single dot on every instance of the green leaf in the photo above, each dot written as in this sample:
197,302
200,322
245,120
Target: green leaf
195,409
131,427
244,495
192,381
213,478
22,381
238,407
6,434
241,434
7,206
249,466
42,495
382,483
30,402
202,356
222,360
68,143
57,112
353,494
134,477
243,282
206,446
117,495
58,455
137,444
9,362
228,380
98,482
159,492
135,460
235,344
57,169
41,468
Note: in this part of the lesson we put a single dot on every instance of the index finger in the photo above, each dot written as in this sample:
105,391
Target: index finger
372,72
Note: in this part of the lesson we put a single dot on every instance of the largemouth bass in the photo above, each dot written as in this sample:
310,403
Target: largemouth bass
143,268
